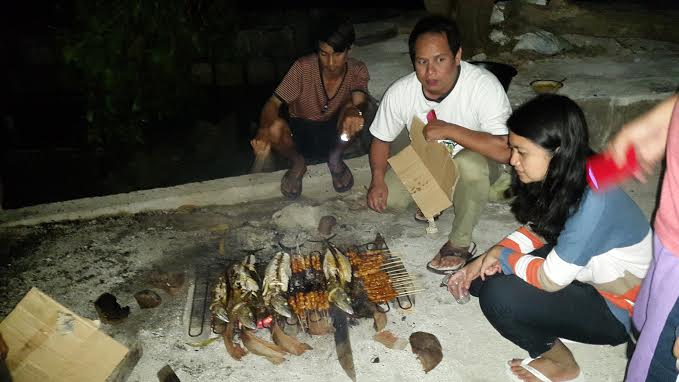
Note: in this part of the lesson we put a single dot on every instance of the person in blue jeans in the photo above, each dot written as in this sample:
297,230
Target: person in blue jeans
574,268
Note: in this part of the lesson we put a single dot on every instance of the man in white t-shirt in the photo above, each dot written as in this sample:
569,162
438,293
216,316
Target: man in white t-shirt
472,109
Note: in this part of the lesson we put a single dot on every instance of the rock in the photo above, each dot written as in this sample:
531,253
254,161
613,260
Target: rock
369,33
147,299
606,44
428,349
166,374
439,7
326,225
296,216
542,42
171,282
498,15
499,37
479,57
109,310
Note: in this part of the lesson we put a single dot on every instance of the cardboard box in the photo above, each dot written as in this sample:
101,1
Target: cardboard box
48,342
427,171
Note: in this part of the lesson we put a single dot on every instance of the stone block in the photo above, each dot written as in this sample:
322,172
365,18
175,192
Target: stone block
230,73
606,115
279,42
282,64
201,73
260,70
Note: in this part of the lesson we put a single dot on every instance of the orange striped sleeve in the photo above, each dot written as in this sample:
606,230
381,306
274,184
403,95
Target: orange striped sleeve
513,258
509,243
534,239
532,272
624,301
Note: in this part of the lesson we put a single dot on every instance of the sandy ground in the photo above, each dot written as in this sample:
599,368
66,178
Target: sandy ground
76,262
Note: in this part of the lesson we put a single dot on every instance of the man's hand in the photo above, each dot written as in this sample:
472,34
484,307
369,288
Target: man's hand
377,196
436,130
352,122
261,147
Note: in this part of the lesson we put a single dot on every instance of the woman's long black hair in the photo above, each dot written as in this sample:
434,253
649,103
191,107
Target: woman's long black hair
558,125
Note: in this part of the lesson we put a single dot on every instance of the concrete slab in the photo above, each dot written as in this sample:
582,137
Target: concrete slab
75,262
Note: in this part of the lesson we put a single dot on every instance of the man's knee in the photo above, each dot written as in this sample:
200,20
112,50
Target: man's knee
398,197
472,167
276,133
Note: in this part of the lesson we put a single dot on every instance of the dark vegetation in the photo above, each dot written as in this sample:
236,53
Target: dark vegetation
105,97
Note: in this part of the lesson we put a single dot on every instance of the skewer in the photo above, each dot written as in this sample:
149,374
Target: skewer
401,282
402,279
390,265
411,291
392,260
405,284
398,274
393,267
403,276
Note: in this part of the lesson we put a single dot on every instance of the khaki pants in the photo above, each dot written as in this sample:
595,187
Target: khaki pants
480,179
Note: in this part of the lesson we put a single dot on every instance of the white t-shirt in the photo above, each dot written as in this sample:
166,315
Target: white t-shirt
477,102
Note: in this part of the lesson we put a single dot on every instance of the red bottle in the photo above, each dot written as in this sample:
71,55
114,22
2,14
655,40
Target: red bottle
602,172
431,116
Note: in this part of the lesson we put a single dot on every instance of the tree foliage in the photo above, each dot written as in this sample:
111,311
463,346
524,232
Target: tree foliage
134,58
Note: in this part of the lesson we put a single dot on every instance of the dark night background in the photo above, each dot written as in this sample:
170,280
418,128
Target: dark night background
105,97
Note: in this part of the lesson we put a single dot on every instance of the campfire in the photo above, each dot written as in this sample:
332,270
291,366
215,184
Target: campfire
315,292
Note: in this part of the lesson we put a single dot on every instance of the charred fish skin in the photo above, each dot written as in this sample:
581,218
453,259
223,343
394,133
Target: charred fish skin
280,306
243,295
243,280
245,315
219,304
341,299
336,293
275,284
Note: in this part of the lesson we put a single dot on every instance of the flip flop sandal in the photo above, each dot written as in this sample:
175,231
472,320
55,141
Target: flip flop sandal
450,269
341,174
420,218
298,185
536,373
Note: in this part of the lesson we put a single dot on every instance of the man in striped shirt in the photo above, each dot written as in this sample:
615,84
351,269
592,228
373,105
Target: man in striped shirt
326,95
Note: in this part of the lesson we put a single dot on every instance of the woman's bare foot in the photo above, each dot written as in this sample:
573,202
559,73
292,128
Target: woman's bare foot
557,364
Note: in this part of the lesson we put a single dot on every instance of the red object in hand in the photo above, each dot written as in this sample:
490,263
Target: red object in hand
602,172
431,116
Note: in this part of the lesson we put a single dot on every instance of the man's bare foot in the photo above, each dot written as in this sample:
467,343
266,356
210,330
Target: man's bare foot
449,258
557,364
291,184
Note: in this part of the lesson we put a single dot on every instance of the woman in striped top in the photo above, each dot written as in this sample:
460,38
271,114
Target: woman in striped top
574,269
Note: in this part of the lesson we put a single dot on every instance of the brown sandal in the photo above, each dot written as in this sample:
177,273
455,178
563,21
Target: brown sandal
289,180
420,218
448,250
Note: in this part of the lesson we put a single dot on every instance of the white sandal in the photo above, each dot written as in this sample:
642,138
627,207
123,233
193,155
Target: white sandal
543,378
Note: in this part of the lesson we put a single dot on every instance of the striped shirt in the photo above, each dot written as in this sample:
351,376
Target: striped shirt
302,88
607,243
